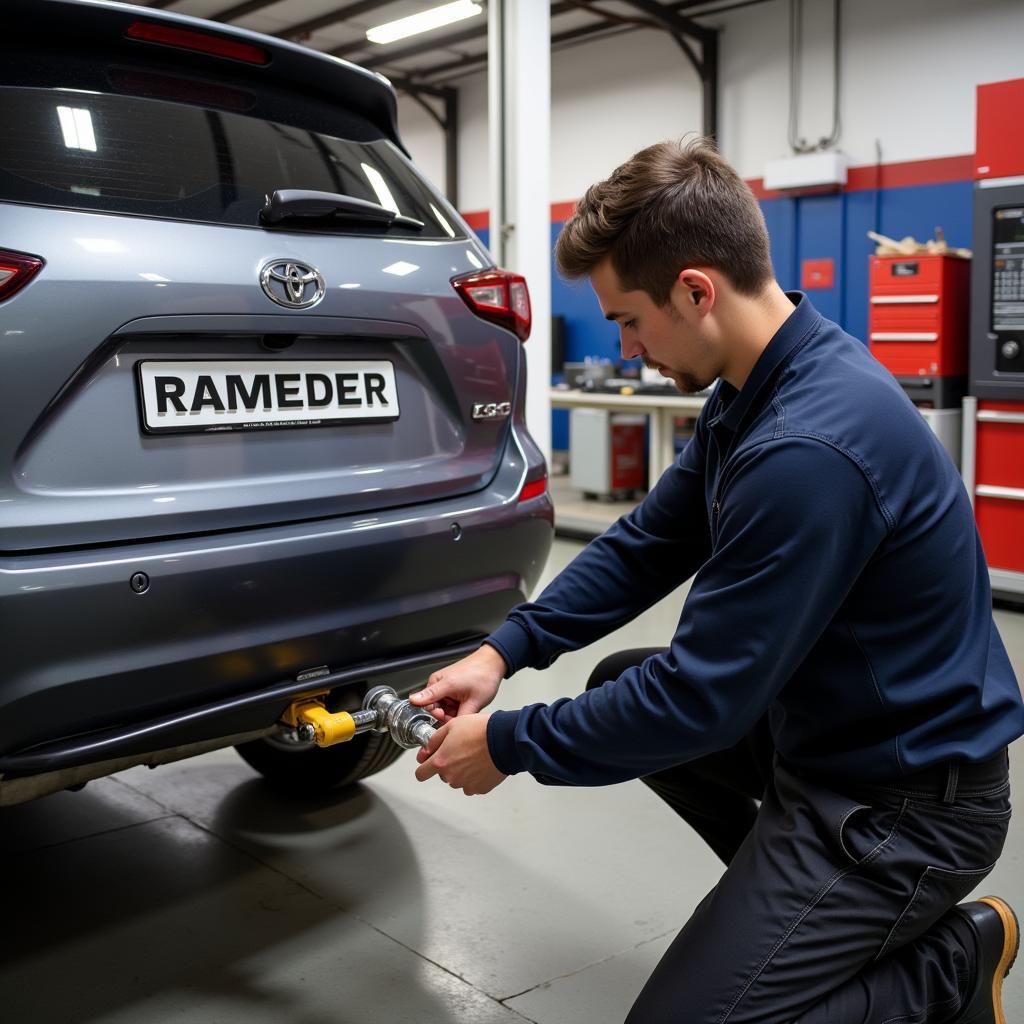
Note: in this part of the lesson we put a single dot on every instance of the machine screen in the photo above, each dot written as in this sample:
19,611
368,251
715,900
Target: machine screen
1008,269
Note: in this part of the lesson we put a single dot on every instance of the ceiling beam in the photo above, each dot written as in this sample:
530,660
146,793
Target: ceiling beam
478,32
442,43
561,38
590,6
303,29
672,20
240,10
466,64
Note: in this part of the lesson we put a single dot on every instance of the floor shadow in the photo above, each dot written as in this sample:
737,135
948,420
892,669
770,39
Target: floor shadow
168,909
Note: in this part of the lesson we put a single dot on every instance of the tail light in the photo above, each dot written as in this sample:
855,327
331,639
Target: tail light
499,296
16,270
534,489
198,42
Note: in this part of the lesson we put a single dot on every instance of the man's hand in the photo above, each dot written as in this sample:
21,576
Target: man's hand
458,755
464,687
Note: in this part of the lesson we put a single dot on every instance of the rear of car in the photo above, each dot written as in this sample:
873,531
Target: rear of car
261,401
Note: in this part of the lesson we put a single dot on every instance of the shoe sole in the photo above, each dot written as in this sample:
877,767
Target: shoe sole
1011,944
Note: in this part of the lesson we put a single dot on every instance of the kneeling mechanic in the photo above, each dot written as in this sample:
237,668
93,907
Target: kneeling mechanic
833,712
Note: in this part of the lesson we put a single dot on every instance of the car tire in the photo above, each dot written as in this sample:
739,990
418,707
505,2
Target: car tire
307,768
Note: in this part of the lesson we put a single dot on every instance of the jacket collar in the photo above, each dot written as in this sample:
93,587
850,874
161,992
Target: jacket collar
799,326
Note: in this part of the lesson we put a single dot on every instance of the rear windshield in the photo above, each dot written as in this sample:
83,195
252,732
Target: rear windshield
154,158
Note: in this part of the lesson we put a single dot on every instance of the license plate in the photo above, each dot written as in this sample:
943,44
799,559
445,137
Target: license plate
205,396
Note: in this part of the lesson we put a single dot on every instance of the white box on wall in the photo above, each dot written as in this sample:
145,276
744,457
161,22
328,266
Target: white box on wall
806,171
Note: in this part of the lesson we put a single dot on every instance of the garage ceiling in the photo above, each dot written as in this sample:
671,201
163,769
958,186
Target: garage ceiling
440,56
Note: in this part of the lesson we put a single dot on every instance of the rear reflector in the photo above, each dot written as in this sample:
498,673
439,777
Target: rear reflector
16,270
534,489
499,296
199,42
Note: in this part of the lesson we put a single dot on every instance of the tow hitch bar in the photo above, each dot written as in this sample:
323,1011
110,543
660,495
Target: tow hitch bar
382,711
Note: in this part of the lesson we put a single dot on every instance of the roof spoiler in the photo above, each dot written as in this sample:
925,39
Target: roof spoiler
88,22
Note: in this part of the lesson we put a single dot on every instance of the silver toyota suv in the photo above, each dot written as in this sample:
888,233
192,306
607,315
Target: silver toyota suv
261,402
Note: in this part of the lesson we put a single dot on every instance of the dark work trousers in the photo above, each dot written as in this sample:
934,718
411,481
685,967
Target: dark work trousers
834,907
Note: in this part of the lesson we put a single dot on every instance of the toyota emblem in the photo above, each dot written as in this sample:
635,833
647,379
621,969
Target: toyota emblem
291,284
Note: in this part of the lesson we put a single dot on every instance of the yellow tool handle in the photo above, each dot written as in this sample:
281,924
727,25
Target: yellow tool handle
328,726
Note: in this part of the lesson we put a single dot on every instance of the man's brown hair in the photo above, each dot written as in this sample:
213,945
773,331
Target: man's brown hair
670,206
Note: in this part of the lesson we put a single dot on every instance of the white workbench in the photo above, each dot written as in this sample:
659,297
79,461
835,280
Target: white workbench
661,410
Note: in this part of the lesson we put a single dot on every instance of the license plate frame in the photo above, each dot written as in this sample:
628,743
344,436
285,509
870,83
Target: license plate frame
203,396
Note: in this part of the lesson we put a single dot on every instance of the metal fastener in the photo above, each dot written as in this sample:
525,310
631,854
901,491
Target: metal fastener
139,582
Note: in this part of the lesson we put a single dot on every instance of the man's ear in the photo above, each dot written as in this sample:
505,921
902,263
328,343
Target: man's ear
698,288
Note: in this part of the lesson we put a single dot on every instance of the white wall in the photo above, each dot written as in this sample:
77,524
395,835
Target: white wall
909,73
425,141
910,68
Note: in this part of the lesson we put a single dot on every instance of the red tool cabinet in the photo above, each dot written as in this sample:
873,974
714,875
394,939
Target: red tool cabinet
918,322
993,472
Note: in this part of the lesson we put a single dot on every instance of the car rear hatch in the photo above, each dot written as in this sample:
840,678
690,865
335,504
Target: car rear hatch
179,366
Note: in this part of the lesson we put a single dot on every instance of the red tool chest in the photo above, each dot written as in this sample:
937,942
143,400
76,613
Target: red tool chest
999,483
918,324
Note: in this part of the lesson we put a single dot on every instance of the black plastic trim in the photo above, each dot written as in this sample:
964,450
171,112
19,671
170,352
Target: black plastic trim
247,712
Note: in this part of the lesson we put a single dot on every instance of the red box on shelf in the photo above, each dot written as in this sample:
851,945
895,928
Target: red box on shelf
917,325
628,469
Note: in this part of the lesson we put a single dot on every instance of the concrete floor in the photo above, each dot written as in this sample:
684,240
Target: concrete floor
192,894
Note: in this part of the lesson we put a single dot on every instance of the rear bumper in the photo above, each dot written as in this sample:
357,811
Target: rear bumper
231,716
236,613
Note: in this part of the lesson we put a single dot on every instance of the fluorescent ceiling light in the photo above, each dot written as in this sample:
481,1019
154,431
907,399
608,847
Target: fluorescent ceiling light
446,14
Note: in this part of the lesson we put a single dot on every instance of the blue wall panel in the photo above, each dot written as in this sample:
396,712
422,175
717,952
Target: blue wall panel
916,211
860,218
587,333
780,217
819,232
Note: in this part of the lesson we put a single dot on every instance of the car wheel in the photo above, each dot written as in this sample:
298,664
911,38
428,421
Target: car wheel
293,765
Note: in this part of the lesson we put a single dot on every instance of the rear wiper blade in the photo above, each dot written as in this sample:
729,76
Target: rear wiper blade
287,203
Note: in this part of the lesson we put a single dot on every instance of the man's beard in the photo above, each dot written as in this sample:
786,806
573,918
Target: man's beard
686,383
690,385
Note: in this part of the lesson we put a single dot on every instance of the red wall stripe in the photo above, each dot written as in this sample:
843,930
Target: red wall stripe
938,171
478,221
562,211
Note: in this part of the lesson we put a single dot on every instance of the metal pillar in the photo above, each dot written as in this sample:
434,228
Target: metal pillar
519,127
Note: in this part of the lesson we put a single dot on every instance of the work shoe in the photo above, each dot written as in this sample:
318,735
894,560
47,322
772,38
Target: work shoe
995,926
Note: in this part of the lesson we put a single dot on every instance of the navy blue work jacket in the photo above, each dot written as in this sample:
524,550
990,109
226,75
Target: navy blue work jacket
840,586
